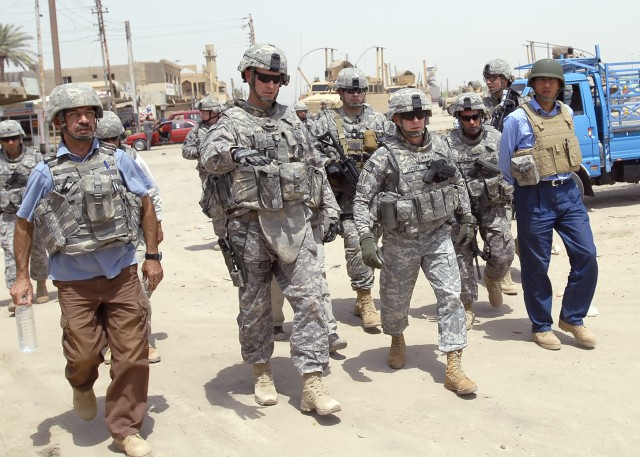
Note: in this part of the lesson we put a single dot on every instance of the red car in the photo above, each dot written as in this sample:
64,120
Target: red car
167,132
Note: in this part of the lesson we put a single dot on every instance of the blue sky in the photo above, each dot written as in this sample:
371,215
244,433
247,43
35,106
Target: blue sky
458,37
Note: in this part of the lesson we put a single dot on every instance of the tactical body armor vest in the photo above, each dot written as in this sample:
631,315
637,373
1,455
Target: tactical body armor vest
358,140
415,203
485,187
266,187
89,207
556,149
13,178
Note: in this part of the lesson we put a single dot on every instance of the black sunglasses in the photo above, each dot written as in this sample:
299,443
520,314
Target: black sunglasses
10,138
264,78
473,117
413,114
355,91
113,138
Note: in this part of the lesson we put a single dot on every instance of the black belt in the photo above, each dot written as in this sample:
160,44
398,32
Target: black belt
555,182
346,217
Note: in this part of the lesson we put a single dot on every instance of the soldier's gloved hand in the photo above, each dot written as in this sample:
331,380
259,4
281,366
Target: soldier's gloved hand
332,232
250,157
371,254
467,229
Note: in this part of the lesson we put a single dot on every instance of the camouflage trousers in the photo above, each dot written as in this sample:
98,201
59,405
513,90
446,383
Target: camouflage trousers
39,262
301,284
404,255
360,274
495,231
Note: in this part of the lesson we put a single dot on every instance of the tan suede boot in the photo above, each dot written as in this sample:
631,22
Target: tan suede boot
264,389
367,309
456,380
508,286
495,292
42,295
397,352
315,396
469,315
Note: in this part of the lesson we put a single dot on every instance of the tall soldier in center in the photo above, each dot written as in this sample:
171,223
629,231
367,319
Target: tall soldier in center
259,154
411,185
349,134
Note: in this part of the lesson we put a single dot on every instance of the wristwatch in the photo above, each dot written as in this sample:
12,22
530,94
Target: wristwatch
157,256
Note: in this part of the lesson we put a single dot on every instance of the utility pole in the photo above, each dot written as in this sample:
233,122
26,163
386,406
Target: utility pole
105,52
134,92
252,32
43,126
55,44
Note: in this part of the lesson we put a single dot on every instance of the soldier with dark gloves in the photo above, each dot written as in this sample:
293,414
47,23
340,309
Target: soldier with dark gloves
356,127
413,188
475,151
260,152
16,163
538,152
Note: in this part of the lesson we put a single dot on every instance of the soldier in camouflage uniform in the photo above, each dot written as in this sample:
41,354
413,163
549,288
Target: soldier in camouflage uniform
259,152
109,131
16,163
302,111
501,102
472,144
412,188
355,126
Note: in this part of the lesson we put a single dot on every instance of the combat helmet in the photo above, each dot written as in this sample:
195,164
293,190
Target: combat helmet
407,100
208,103
72,95
546,68
300,106
267,57
110,126
469,101
351,78
498,67
11,128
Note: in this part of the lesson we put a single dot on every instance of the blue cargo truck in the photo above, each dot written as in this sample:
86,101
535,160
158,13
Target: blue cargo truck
605,98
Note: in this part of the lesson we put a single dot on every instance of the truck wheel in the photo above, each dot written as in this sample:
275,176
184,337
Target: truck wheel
579,183
139,145
450,109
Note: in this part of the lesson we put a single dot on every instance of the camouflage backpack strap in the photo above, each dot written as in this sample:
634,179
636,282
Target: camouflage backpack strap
342,138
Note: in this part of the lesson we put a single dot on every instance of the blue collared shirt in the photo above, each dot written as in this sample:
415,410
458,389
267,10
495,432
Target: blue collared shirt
518,134
108,261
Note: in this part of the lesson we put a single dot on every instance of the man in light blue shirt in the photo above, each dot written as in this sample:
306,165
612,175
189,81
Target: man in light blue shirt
554,203
88,202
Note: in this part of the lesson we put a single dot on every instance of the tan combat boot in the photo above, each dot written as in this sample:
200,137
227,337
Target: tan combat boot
469,315
508,286
396,352
456,380
366,308
315,396
84,403
495,292
133,445
264,389
42,295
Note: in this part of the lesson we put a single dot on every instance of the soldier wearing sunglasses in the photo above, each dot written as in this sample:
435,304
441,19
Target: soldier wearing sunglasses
475,149
356,126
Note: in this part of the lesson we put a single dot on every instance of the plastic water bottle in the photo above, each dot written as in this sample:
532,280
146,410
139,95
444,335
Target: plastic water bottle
26,323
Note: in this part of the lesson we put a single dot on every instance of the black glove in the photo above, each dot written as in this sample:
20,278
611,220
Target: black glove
371,254
332,231
250,157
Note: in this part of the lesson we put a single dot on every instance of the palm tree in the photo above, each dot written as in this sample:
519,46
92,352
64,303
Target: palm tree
14,48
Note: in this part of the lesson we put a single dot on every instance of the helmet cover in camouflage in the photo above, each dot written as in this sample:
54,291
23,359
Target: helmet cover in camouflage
72,95
267,57
208,103
546,68
469,101
300,106
407,100
498,67
11,128
351,78
110,126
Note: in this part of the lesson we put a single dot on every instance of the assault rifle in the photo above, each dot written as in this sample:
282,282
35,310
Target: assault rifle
507,105
345,168
439,169
475,210
490,168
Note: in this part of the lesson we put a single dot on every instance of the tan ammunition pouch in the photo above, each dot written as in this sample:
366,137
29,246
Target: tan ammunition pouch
316,180
556,149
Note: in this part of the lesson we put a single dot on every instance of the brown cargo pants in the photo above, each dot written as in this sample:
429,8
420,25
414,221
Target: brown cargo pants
98,311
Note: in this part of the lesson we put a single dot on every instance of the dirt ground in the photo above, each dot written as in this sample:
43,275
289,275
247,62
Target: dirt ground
530,401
